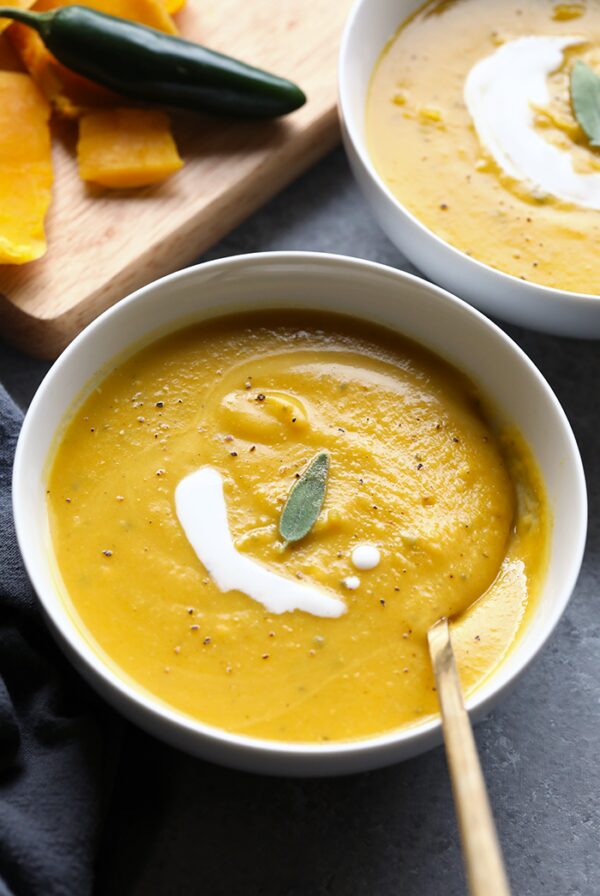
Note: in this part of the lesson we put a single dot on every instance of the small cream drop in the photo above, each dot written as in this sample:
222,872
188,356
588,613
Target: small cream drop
351,582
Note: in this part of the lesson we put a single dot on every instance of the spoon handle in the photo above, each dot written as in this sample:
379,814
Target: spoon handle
483,858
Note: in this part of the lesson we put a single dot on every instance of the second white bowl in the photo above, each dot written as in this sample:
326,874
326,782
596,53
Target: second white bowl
370,25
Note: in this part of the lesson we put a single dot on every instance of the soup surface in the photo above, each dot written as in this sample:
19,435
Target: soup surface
416,470
470,124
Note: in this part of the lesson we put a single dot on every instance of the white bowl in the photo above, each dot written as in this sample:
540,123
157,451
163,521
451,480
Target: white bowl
313,281
370,25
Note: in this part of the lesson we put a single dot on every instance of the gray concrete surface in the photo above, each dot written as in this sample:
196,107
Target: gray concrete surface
179,826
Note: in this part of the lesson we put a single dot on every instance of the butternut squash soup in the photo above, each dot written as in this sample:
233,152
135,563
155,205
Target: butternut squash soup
258,518
471,123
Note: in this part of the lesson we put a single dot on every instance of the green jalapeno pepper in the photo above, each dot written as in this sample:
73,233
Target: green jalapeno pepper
144,64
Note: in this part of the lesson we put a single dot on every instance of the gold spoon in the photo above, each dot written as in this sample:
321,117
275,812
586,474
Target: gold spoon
482,854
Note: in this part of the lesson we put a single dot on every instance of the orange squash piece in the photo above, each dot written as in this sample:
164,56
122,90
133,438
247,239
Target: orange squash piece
25,168
122,148
69,93
173,6
9,60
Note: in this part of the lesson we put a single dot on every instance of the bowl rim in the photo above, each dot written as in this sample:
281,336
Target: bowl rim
143,702
360,148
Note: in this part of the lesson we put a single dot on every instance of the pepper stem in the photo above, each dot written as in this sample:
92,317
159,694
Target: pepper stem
36,20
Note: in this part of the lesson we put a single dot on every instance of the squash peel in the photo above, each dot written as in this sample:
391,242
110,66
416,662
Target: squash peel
70,93
25,168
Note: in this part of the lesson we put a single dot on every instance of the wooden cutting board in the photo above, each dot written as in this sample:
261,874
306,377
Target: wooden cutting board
104,244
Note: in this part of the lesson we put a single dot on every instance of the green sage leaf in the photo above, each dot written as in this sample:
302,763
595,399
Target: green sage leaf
585,98
305,500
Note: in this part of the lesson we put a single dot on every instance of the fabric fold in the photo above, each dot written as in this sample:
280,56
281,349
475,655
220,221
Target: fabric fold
58,742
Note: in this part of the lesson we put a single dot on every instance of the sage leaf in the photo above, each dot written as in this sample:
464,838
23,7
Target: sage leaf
585,98
305,500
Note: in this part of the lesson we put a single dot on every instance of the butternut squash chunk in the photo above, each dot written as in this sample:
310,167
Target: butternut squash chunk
25,168
121,148
173,6
9,59
69,93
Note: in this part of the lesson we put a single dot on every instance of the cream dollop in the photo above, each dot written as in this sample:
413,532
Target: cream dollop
500,92
202,512
366,556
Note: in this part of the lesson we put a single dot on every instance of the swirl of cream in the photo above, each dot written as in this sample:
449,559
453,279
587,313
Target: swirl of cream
202,512
500,92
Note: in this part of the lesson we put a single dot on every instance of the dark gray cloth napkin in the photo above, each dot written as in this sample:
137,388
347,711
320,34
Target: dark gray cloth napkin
58,743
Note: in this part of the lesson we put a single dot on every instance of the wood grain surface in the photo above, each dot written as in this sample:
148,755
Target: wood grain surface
104,244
